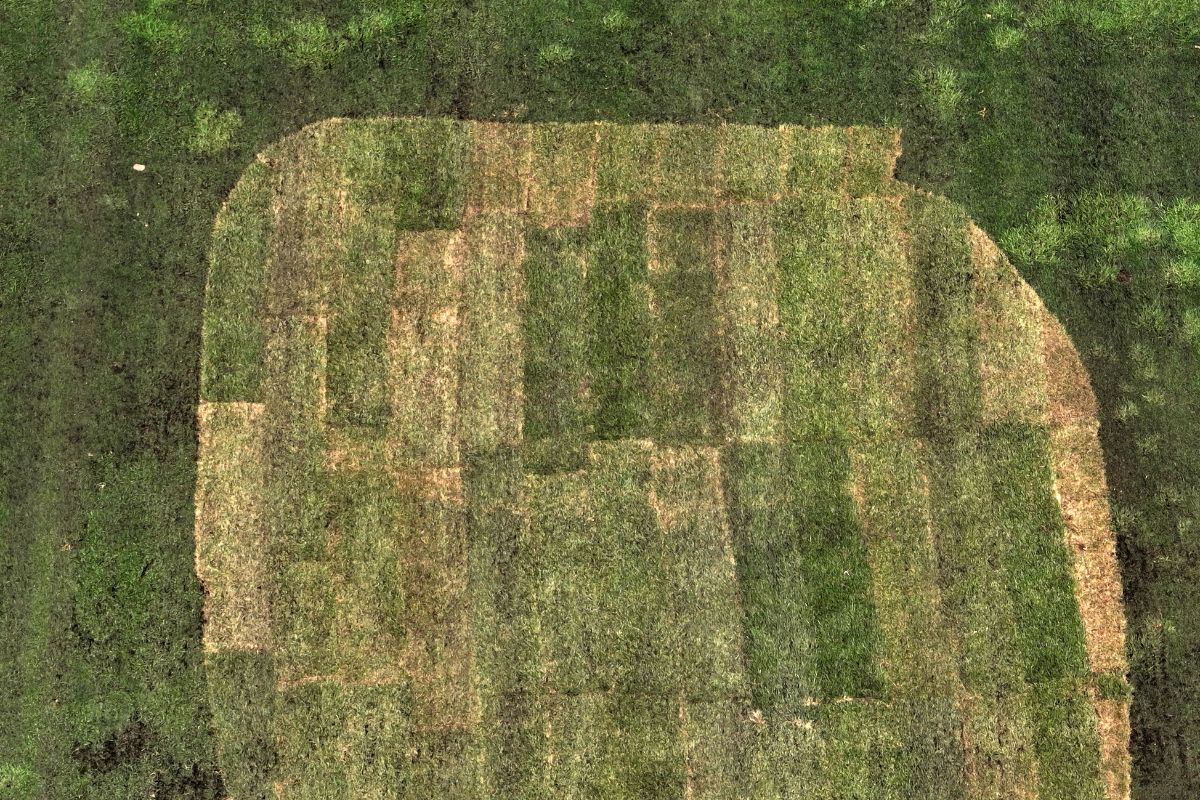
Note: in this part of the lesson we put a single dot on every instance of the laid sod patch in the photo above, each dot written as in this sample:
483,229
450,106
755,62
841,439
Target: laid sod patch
594,460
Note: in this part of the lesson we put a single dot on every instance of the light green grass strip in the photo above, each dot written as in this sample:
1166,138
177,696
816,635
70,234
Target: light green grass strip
304,635
747,309
232,557
686,351
233,336
603,598
749,162
871,155
375,741
814,309
424,343
705,621
309,725
893,507
1036,560
716,737
880,365
241,691
619,336
563,185
815,159
627,161
294,391
556,330
1068,747
491,348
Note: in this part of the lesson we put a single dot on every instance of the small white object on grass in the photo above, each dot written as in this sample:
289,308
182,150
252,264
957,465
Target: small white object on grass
139,167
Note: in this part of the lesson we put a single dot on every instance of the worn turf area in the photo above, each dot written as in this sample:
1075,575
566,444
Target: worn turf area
647,462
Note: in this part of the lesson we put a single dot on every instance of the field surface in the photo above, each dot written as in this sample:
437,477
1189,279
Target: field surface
642,461
1067,129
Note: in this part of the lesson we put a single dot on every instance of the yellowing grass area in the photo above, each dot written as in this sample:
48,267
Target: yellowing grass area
646,461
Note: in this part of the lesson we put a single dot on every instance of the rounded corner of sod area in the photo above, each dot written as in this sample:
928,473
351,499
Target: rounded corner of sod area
647,461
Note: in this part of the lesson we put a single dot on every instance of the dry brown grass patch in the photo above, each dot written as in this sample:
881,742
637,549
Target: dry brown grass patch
230,537
501,167
1012,368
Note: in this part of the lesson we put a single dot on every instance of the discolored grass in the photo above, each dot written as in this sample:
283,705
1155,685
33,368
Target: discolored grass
643,461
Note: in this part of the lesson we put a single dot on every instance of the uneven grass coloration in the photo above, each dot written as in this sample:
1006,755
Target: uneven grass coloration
642,461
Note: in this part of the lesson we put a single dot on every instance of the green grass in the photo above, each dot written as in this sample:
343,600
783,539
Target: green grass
105,269
587,518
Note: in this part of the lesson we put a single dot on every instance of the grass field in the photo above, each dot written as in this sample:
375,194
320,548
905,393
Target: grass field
642,461
1065,128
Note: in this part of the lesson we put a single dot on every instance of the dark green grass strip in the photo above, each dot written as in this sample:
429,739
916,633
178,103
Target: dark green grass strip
411,172
233,338
949,398
1037,562
503,574
361,303
366,522
832,566
688,400
1066,741
767,548
556,350
294,439
241,691
619,336
811,628
834,569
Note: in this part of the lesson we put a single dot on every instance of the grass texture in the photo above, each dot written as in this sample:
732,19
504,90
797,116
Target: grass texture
657,461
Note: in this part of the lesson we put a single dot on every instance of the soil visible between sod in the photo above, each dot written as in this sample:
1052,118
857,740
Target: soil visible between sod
642,461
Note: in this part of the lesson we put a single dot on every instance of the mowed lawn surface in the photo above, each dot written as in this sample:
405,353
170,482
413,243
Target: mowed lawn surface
642,461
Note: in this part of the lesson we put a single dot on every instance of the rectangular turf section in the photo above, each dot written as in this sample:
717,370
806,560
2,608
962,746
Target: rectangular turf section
230,537
618,298
490,345
563,181
423,370
556,333
948,383
747,311
685,349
